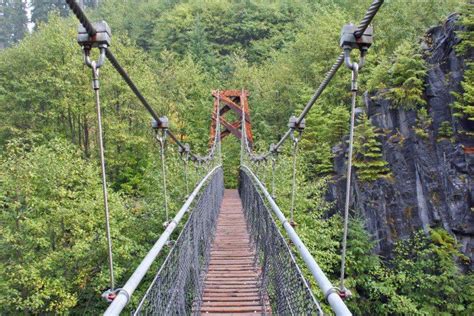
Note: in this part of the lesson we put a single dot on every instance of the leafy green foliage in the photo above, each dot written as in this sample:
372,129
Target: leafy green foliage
402,77
430,276
279,51
368,158
53,244
464,102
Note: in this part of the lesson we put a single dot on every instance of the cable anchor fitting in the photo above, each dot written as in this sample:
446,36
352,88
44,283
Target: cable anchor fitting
184,151
296,127
109,295
101,40
162,124
350,41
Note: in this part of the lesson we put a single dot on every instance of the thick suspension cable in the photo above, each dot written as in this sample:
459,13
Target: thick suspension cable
131,84
81,16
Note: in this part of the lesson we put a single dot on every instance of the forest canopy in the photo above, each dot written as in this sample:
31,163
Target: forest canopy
52,245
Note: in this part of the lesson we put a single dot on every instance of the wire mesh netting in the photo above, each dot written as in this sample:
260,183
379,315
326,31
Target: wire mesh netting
283,286
178,286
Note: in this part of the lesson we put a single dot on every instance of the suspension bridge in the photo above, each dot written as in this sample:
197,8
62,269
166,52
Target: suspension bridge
233,253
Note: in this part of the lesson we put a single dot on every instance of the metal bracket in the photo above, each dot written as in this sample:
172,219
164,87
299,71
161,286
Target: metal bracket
295,127
109,295
292,123
102,37
163,124
185,150
349,41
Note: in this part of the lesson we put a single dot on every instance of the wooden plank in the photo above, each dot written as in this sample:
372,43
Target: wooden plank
231,286
228,309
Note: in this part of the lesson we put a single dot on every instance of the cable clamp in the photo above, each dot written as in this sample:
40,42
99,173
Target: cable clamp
103,35
331,291
296,127
349,41
273,149
110,294
162,124
343,293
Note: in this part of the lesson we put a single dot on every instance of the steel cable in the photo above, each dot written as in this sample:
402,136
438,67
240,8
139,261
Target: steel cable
161,139
81,16
100,138
355,70
293,183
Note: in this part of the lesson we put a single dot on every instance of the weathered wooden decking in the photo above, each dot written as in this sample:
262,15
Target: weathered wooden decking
231,282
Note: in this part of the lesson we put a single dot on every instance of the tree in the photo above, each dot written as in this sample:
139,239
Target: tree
464,104
368,158
429,275
423,123
13,21
445,129
42,8
401,78
52,244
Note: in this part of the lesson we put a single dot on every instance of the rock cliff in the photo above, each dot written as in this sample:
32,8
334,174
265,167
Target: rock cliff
432,176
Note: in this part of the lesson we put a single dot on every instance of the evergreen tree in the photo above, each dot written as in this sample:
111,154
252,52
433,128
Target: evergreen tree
339,124
466,34
41,9
401,77
368,159
322,159
445,129
423,123
464,105
13,21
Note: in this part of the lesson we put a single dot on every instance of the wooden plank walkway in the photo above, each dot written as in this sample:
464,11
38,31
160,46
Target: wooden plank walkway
230,287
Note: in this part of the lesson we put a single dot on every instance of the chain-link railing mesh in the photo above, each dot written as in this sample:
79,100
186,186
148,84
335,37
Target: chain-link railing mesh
178,286
282,283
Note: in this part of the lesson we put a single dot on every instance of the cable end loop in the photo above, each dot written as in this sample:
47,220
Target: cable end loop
109,295
344,293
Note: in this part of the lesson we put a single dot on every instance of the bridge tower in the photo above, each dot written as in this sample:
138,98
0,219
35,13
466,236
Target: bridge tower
237,101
